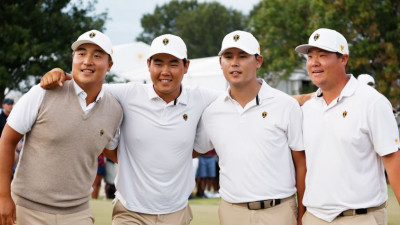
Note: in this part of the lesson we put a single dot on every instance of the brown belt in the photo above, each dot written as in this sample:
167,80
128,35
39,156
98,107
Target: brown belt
353,212
263,204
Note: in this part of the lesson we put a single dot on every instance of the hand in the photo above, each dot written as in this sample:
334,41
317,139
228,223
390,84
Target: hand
54,78
7,211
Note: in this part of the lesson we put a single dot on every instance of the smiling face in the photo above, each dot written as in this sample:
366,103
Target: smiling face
90,65
239,67
326,69
167,73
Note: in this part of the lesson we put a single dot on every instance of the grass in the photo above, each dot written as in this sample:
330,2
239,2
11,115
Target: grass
205,211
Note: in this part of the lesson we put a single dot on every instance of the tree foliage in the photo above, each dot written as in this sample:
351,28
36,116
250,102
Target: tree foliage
36,35
201,25
372,29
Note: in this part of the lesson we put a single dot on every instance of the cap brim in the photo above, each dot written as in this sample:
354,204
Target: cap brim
76,44
303,49
247,51
167,52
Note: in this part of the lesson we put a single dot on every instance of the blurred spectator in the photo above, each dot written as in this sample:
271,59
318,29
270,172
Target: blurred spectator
367,79
109,178
7,107
101,171
207,174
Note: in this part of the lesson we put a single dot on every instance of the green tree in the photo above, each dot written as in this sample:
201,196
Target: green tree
372,29
36,35
201,25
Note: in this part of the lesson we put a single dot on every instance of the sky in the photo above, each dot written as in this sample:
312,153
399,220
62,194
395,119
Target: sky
123,25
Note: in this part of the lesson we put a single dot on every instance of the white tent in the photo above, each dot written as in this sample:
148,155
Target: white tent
130,56
203,72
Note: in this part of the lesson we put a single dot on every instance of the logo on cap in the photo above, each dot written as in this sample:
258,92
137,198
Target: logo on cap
316,36
236,37
342,47
92,35
165,41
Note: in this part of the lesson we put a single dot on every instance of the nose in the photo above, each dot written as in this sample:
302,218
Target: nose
165,69
235,62
88,60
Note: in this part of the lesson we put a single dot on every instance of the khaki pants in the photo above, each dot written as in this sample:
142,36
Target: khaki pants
238,214
27,216
122,216
378,217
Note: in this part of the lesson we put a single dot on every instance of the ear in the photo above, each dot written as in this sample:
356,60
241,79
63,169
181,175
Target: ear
148,63
110,64
345,59
186,66
259,61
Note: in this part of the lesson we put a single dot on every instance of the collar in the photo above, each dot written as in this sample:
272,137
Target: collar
347,91
265,92
181,99
79,91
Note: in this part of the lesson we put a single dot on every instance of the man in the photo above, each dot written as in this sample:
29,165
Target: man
349,130
58,163
7,107
256,132
158,134
366,79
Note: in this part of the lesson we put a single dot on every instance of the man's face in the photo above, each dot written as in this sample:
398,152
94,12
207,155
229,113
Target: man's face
325,67
7,108
167,73
90,65
239,67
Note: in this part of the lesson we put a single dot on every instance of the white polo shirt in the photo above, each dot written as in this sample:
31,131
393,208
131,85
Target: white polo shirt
254,144
343,143
155,173
24,113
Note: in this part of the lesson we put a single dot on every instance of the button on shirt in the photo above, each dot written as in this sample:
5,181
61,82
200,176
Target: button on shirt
254,144
155,173
343,142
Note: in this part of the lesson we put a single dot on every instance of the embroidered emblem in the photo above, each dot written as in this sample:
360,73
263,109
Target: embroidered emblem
101,132
264,114
344,114
316,36
165,41
185,117
342,47
396,140
236,37
92,35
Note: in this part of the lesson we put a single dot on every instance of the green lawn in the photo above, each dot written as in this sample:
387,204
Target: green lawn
205,211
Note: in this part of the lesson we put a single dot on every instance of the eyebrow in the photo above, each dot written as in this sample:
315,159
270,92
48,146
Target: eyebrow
171,61
230,53
96,50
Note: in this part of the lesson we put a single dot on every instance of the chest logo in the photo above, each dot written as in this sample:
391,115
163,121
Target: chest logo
344,114
264,114
101,132
185,117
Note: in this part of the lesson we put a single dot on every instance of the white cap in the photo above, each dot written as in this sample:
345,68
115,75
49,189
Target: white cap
242,40
366,79
94,37
326,39
169,44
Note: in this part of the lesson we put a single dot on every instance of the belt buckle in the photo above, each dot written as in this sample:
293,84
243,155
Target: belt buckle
255,205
